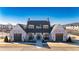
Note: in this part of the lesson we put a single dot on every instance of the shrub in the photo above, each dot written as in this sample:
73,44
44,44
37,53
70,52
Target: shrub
69,40
6,39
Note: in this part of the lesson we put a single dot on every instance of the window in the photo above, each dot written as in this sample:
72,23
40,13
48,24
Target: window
38,27
45,26
45,33
31,26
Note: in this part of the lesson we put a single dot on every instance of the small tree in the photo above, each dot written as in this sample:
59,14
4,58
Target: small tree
6,39
69,39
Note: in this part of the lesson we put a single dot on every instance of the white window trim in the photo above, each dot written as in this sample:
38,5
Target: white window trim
31,26
45,26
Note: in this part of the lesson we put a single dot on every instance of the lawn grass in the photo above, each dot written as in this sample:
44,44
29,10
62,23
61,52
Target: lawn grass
74,32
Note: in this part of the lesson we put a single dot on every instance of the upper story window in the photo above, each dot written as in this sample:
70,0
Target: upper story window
31,26
45,26
38,27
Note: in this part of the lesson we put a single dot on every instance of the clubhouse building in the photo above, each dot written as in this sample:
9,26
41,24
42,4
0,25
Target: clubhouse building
38,30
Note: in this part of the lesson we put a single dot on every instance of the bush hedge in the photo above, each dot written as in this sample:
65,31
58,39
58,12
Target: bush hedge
6,39
69,39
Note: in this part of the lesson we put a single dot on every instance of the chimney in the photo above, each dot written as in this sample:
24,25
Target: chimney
28,19
48,18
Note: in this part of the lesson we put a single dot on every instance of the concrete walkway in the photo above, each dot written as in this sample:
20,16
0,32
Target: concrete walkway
39,43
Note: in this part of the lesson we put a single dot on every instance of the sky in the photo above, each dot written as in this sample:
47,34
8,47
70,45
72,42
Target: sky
57,15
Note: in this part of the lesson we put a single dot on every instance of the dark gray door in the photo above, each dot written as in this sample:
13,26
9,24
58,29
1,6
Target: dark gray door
38,37
59,37
17,37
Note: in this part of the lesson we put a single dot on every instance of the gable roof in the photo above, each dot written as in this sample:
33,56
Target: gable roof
57,26
23,27
52,27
